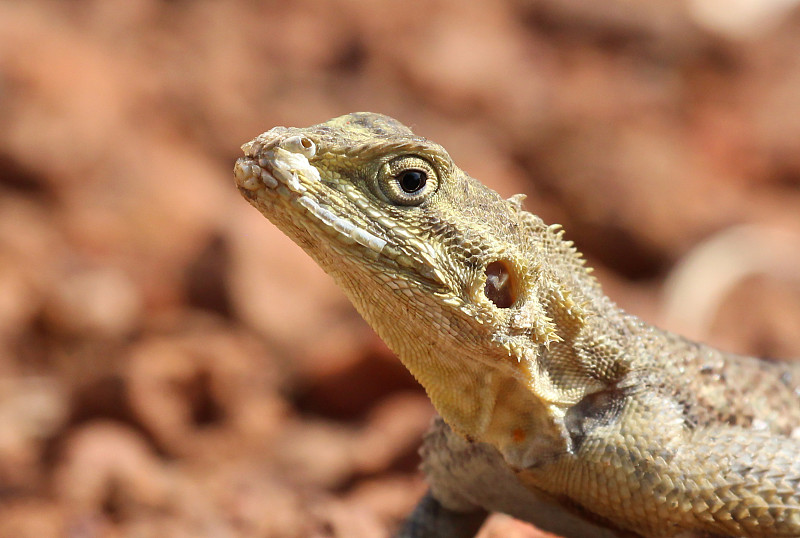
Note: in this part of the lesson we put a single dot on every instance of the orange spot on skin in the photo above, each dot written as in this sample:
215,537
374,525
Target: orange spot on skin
517,435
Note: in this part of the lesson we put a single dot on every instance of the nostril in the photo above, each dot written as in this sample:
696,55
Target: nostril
300,144
501,285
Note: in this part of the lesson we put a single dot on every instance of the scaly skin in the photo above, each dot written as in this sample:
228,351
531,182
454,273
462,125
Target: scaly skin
558,407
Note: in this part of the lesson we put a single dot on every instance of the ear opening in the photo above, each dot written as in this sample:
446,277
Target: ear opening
502,284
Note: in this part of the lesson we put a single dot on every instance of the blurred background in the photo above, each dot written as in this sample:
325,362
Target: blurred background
172,366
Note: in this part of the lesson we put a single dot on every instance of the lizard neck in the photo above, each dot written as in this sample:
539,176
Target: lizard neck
502,376
515,401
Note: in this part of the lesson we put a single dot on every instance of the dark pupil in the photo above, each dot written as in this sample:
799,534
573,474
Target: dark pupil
412,180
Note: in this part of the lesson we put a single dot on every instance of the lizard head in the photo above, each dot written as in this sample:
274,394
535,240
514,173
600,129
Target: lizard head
432,259
354,186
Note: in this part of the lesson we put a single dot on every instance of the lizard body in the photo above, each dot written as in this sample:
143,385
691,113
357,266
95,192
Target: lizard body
556,406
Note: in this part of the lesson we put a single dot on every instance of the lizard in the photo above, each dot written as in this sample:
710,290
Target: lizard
554,405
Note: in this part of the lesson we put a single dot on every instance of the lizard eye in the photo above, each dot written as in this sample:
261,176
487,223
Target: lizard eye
412,181
407,180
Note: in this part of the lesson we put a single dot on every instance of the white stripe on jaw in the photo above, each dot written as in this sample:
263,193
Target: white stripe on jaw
368,240
343,226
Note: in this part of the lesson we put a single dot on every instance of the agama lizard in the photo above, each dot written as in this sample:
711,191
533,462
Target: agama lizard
556,406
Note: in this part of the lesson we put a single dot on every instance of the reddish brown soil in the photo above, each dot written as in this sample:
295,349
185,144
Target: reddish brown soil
172,366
